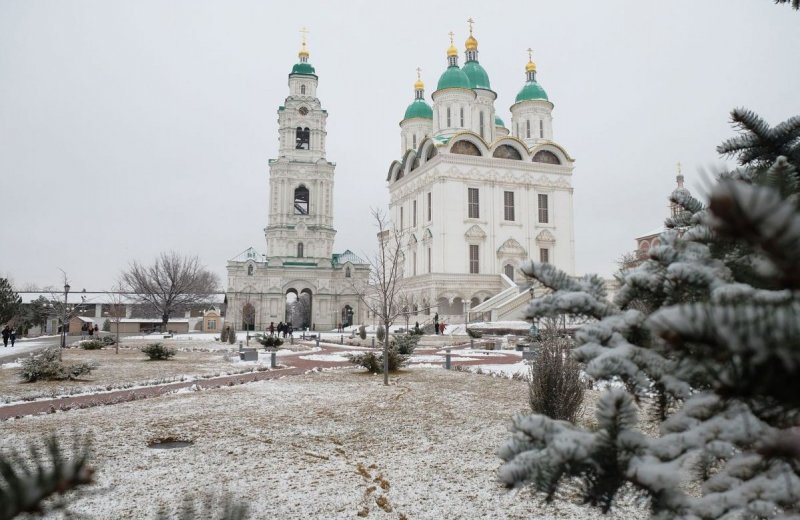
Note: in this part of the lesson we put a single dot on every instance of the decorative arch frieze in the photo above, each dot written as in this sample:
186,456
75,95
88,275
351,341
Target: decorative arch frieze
545,237
475,233
511,248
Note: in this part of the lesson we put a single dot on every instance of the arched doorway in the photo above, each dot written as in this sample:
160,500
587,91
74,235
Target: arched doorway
291,304
347,316
248,316
304,308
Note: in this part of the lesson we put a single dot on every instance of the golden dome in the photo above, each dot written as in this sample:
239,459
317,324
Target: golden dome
471,43
530,67
303,51
419,85
452,51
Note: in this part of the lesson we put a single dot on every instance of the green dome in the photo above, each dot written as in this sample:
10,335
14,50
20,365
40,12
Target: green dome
477,75
498,121
531,90
303,68
419,108
453,77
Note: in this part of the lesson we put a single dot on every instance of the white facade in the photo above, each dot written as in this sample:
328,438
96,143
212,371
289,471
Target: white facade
474,202
299,265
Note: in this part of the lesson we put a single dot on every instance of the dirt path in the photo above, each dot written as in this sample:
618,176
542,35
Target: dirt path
297,366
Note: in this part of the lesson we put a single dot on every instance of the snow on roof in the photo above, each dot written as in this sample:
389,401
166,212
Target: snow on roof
100,297
150,320
652,232
249,254
347,256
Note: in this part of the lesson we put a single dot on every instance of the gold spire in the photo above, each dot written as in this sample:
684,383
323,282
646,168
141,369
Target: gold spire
452,51
471,43
303,49
531,66
419,85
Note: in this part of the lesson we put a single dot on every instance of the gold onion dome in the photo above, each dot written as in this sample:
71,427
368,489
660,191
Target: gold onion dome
419,85
452,51
530,67
303,51
471,43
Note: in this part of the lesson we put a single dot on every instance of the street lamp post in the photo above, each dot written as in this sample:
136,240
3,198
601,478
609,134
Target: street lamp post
64,319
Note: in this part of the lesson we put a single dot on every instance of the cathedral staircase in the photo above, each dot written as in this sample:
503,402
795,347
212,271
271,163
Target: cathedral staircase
507,305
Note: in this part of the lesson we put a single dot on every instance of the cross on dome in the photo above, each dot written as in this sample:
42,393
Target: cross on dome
303,54
471,43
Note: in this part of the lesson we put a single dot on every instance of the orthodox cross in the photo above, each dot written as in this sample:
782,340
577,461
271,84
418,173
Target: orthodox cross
470,21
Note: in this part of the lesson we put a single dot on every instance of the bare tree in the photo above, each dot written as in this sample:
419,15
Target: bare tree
172,282
116,310
382,294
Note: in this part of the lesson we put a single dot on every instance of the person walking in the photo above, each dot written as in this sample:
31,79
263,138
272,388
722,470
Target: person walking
13,336
96,330
272,328
436,323
90,329
6,334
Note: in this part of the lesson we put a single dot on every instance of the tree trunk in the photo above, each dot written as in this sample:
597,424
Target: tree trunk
164,320
386,355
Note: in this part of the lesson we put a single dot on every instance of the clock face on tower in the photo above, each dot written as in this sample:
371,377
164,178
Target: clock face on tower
303,111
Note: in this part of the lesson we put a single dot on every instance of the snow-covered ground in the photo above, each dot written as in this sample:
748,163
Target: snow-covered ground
329,445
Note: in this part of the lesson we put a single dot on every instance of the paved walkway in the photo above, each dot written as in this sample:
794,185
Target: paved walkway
296,366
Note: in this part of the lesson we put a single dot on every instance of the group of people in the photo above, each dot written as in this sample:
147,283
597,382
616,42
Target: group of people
9,333
438,328
282,329
88,330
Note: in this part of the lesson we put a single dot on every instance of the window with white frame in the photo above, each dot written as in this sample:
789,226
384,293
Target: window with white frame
402,222
473,207
448,117
474,261
508,270
429,206
480,119
544,216
414,213
212,324
541,128
414,259
544,255
414,141
508,205
462,117
528,128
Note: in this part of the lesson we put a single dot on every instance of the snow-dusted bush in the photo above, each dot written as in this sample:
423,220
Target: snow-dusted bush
380,333
269,342
223,336
404,343
108,340
157,351
362,332
555,388
46,366
92,344
231,337
474,333
706,335
373,362
107,325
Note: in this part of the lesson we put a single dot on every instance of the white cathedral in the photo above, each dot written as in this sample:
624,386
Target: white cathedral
299,279
474,199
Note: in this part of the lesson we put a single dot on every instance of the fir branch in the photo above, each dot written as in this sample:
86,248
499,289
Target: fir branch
25,487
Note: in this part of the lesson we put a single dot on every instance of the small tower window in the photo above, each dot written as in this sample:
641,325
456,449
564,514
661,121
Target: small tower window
301,200
480,118
414,141
508,270
541,128
302,136
347,272
462,117
250,270
302,89
299,250
448,117
528,132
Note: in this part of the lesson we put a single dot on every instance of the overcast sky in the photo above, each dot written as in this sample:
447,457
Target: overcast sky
130,128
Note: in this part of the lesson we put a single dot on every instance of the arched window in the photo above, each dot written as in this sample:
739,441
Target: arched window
541,128
508,270
448,117
250,270
302,89
301,200
544,156
299,250
528,126
505,151
302,136
462,117
480,118
347,272
414,141
465,148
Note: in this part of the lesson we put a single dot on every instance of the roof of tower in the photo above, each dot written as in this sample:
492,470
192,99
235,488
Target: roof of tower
419,108
477,75
453,77
498,121
531,90
304,68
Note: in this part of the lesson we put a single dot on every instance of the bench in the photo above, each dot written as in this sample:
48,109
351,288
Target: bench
248,354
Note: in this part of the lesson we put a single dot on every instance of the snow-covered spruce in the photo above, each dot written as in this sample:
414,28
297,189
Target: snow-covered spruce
706,335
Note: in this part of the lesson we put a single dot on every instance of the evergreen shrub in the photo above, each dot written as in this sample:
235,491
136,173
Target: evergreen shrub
362,332
46,366
404,344
380,333
158,352
373,361
107,325
92,344
269,342
555,388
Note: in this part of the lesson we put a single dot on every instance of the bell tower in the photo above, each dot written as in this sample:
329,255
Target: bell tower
300,220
